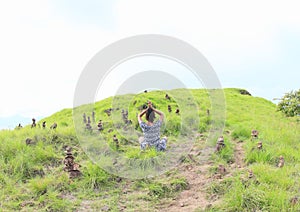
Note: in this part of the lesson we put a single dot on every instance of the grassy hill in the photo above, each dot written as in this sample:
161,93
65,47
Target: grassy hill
32,176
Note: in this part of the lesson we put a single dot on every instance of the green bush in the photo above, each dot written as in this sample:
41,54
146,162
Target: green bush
290,104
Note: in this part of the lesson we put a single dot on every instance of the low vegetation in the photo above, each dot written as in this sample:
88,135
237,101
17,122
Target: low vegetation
32,176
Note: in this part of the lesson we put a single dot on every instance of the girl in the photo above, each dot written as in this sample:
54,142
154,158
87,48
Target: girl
151,129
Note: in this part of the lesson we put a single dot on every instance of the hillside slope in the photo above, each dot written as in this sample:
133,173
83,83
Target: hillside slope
240,177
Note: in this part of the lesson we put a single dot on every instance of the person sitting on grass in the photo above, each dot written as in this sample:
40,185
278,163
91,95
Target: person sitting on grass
151,129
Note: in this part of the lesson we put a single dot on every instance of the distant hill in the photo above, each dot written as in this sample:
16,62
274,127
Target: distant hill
244,175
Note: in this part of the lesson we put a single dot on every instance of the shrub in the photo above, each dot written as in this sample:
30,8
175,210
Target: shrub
290,104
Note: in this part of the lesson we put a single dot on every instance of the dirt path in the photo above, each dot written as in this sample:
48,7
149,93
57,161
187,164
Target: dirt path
239,154
197,175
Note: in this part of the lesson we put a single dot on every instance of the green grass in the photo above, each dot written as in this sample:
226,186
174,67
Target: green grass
32,178
273,187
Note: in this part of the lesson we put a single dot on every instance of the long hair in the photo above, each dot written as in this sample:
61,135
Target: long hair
150,115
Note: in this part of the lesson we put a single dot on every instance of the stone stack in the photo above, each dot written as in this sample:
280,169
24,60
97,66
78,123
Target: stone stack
33,123
93,116
70,166
254,134
44,124
84,118
29,141
100,125
125,117
220,144
53,126
89,127
167,97
259,145
116,141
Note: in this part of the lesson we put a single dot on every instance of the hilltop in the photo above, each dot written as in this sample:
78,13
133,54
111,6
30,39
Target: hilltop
240,177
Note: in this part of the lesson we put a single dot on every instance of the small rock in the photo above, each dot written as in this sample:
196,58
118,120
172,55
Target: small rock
105,208
218,176
118,179
29,141
294,200
181,204
177,188
26,203
250,174
208,206
74,174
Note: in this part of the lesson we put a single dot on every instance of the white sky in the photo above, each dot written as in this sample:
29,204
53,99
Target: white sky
44,45
122,72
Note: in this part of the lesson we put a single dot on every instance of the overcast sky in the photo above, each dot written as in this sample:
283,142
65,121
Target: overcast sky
44,45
